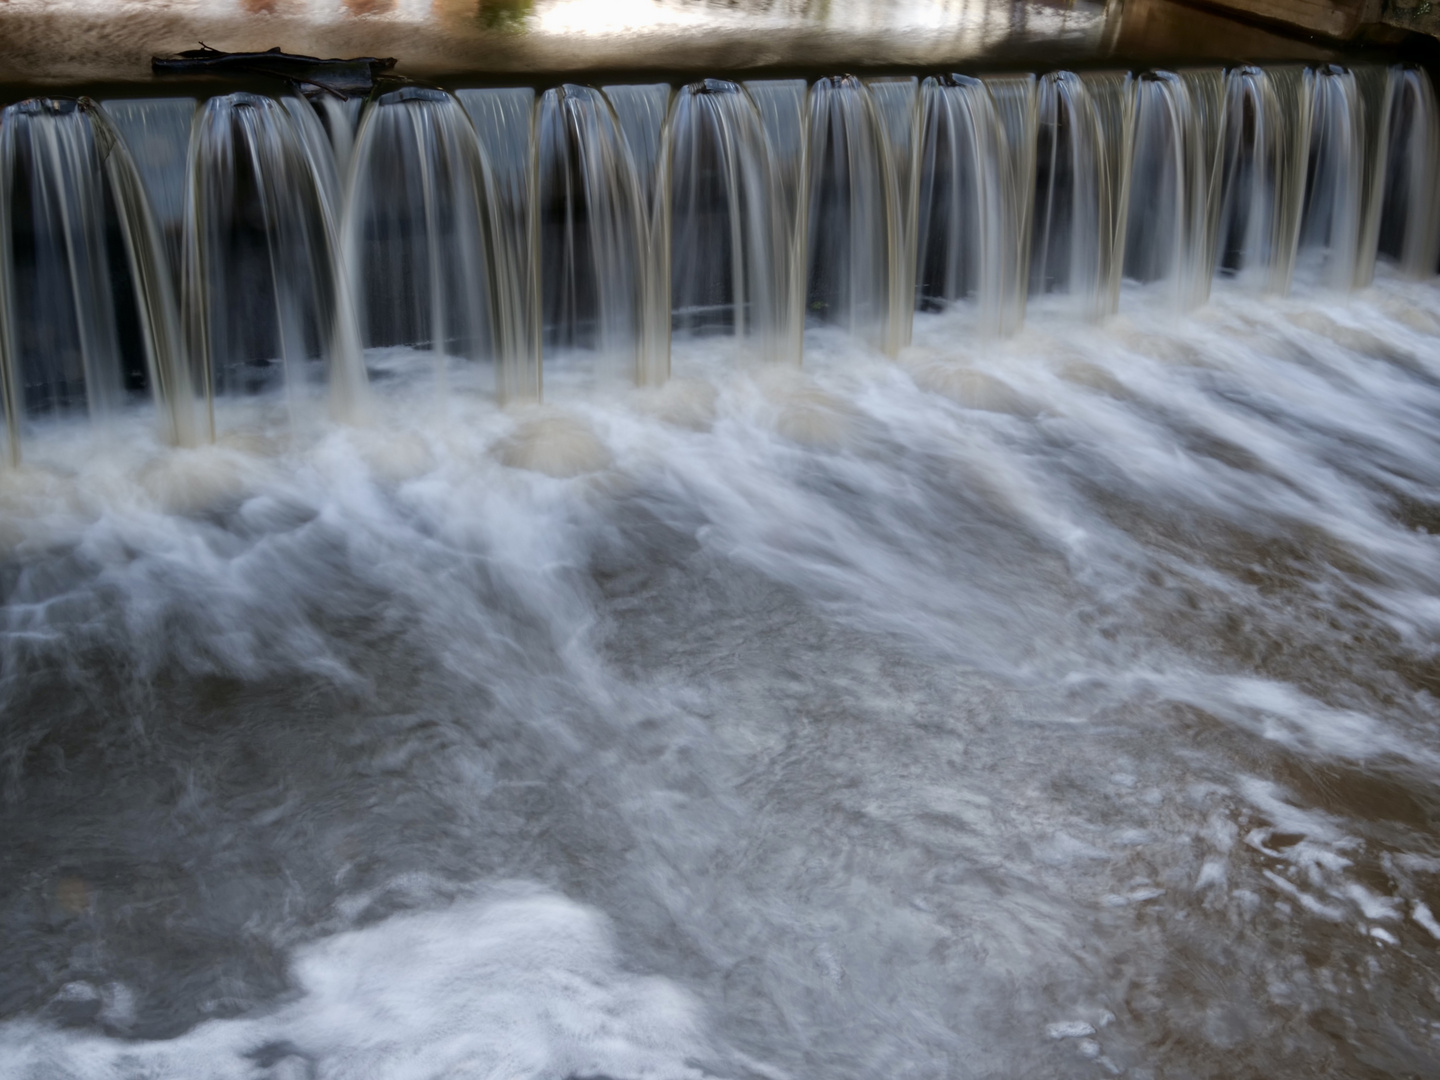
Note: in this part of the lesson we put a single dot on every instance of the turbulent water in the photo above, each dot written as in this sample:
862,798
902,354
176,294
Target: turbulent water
1055,707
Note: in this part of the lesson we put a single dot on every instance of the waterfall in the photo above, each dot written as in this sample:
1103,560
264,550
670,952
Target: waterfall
1016,108
262,289
87,315
920,574
782,107
505,126
1172,186
972,211
895,103
425,240
729,252
1077,185
156,133
1409,225
641,112
579,229
854,214
594,242
1262,174
1331,216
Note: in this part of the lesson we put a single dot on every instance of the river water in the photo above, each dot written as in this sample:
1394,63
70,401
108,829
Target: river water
1059,706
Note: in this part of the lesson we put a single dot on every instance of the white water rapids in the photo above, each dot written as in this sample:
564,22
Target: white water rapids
1059,706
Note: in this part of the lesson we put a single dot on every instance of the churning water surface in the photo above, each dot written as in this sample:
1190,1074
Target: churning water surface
1055,707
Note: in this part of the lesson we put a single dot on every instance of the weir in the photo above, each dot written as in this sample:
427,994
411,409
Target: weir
177,251
678,540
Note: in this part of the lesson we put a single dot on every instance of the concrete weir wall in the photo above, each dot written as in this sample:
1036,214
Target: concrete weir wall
66,39
58,42
1342,19
73,45
1333,18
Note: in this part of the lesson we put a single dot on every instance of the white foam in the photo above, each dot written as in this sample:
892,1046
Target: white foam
1425,917
525,985
916,657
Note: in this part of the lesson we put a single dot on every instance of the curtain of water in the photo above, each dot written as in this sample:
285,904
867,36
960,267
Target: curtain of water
505,124
594,241
86,311
1409,230
171,381
854,212
1157,211
420,237
1373,86
1334,199
1170,231
63,336
897,104
345,369
729,253
1016,107
485,225
969,211
641,112
157,134
783,106
260,284
341,120
1114,96
1261,177
1074,216
1205,128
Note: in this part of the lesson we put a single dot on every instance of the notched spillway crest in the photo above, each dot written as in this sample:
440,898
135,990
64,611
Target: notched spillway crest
1056,700
182,251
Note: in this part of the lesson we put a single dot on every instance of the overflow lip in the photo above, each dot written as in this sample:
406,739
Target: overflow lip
115,46
203,84
103,54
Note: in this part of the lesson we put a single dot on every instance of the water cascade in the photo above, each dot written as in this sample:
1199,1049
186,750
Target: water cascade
854,214
782,105
1170,235
1081,180
431,243
1409,228
729,254
504,125
1072,221
595,251
87,316
1007,647
973,211
641,112
264,303
896,106
494,225
1334,193
1262,175
156,131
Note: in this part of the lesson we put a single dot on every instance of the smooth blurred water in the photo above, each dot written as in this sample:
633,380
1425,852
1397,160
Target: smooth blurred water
1059,706
586,228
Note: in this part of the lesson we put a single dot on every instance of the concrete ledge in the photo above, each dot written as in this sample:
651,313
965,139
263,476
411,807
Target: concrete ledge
74,43
1340,19
67,40
1420,16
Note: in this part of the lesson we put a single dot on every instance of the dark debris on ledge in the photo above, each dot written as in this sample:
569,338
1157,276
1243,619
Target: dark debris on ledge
344,78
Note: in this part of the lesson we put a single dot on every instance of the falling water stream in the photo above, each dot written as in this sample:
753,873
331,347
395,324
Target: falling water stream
914,577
